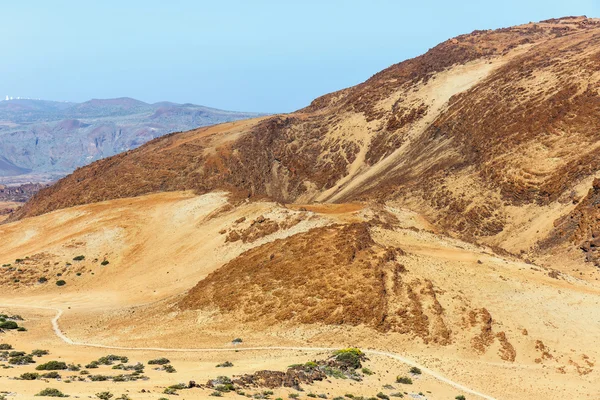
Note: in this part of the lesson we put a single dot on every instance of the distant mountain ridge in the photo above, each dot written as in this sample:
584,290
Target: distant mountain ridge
42,140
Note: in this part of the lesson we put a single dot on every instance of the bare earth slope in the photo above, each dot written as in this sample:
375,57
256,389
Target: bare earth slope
477,129
189,271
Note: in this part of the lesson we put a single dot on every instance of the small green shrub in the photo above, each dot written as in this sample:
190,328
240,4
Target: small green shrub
169,369
159,361
293,395
367,371
8,325
92,365
397,394
79,258
415,370
351,357
51,393
73,367
52,366
226,364
382,396
30,376
39,353
61,283
21,360
216,394
5,346
105,262
51,375
225,388
21,329
460,397
404,380
99,378
104,395
111,358
170,391
334,372
236,341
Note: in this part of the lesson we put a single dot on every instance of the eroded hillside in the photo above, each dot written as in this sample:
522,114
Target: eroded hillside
471,133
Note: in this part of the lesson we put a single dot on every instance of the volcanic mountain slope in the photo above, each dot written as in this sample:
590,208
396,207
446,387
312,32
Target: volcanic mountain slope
471,134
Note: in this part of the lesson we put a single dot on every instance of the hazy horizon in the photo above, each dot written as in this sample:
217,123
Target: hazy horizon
257,57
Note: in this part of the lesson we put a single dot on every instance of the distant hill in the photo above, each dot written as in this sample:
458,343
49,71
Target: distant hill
44,140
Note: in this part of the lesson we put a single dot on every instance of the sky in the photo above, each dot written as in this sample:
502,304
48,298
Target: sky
246,55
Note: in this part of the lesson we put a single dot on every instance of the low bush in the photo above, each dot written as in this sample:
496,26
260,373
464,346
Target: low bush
415,371
104,395
460,397
21,360
39,353
367,371
404,380
111,358
382,396
61,283
5,346
51,393
169,369
42,279
52,366
29,376
8,325
226,388
79,258
226,364
105,262
351,357
99,378
178,386
51,375
159,361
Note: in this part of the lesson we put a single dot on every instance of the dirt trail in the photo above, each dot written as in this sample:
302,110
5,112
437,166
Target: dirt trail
61,335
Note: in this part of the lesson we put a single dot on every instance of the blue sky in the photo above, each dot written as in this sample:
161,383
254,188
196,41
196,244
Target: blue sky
271,56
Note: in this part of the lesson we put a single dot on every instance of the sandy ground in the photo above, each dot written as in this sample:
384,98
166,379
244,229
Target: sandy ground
191,366
159,246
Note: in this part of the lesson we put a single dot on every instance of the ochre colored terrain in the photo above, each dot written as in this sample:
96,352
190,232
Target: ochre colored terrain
445,209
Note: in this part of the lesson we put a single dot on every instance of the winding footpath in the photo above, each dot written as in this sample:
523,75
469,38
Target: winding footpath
61,335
